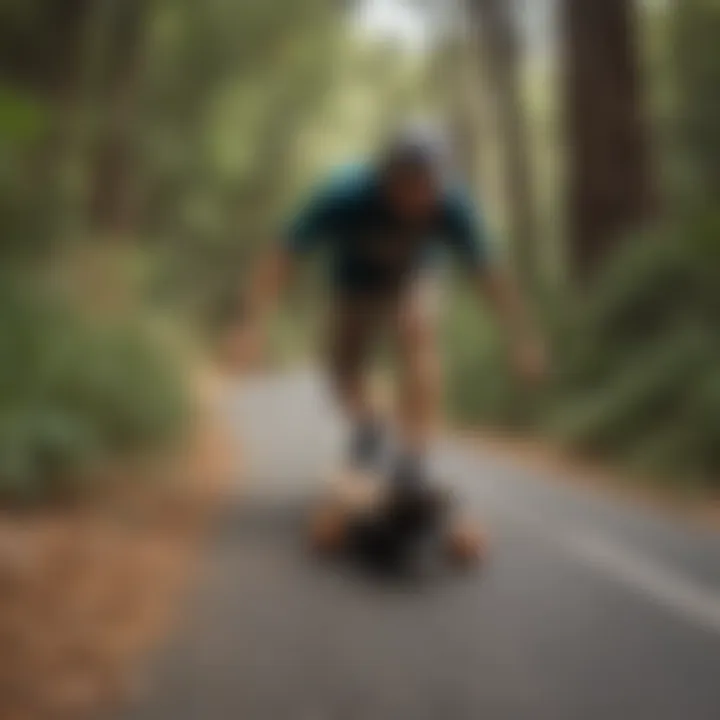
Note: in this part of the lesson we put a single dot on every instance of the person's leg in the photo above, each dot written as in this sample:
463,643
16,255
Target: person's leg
355,325
420,377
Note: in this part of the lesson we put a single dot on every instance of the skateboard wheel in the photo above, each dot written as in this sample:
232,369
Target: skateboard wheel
327,531
466,545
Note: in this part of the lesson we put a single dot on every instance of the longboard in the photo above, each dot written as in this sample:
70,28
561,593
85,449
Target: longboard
367,509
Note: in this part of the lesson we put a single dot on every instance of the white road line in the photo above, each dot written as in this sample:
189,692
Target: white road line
657,582
618,561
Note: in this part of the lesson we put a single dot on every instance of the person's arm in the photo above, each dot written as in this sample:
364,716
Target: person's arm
526,347
258,299
497,287
272,275
275,269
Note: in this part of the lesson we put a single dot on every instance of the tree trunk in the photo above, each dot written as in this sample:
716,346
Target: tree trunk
41,57
609,174
112,191
449,84
500,44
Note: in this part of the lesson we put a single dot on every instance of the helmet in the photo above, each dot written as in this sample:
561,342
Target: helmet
418,146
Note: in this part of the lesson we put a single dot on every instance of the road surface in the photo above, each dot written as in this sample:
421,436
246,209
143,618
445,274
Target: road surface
588,610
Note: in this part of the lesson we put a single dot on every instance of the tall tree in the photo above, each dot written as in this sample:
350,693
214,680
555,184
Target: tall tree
452,84
112,174
609,183
501,48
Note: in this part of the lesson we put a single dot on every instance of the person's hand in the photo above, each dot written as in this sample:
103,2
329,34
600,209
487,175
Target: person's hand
256,342
530,361
244,345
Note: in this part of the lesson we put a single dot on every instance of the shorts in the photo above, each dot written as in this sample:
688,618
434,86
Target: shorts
364,319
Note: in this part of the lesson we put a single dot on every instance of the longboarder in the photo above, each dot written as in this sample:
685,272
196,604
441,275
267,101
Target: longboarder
386,224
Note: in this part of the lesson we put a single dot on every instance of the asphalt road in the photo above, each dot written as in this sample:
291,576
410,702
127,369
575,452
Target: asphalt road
587,610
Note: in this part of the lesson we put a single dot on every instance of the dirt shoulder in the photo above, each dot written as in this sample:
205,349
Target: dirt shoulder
86,590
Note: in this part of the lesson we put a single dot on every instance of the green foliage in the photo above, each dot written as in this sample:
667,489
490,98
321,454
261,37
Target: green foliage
480,388
636,374
638,363
695,32
177,127
74,393
22,120
24,197
228,90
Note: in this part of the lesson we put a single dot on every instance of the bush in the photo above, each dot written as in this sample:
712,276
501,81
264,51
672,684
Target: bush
636,374
74,393
638,368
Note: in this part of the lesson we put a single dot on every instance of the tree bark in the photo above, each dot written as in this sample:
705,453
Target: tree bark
500,45
610,187
112,183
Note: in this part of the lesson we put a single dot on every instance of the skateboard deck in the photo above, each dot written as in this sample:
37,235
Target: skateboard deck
368,514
